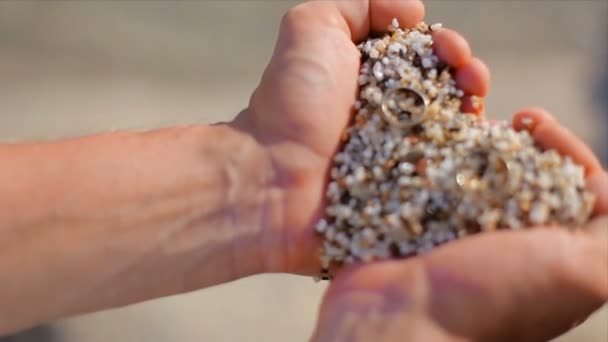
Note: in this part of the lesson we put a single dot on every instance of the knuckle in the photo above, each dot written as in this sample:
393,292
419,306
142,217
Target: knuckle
297,13
323,13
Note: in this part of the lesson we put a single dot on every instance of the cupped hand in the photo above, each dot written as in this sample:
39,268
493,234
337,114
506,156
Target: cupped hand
304,101
527,285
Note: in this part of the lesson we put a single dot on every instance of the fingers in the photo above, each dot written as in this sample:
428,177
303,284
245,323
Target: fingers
365,16
472,75
408,13
314,31
451,47
315,56
472,104
549,134
474,78
357,18
535,282
530,118
506,286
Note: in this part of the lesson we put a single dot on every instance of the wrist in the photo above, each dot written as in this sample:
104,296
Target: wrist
270,243
251,197
128,217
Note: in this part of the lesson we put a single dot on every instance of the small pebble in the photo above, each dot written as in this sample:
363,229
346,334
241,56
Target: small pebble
527,121
436,26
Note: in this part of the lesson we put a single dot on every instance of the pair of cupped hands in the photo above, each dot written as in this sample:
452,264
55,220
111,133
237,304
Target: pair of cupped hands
527,285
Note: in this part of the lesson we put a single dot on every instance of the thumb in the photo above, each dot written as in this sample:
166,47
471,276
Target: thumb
501,286
383,302
313,70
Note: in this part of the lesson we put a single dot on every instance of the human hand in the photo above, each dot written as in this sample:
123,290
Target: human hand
503,286
304,102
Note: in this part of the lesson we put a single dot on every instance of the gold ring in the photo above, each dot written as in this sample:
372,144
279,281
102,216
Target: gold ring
501,165
412,120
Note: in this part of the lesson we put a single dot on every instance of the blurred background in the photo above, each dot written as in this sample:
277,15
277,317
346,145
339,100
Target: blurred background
77,67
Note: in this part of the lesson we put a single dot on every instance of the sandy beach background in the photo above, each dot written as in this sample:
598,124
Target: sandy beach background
77,67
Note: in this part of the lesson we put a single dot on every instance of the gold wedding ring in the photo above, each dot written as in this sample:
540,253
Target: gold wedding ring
404,107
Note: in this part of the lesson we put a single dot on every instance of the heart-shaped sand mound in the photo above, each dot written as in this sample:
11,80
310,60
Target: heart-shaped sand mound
414,172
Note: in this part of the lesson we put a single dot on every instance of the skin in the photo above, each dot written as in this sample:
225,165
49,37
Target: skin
312,96
104,221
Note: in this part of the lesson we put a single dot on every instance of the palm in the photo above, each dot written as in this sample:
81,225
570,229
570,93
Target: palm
304,102
312,98
298,113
